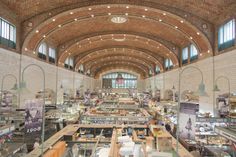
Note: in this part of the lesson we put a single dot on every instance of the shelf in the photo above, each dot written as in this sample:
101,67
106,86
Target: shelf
226,132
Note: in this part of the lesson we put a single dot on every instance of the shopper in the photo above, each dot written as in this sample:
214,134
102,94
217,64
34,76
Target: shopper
202,149
168,127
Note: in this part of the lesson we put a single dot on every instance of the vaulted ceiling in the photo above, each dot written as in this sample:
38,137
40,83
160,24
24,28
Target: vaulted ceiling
113,34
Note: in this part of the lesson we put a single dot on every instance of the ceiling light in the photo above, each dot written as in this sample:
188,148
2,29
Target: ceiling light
176,27
59,25
208,51
71,13
108,6
26,49
88,39
109,13
53,20
191,38
75,19
143,16
164,14
200,54
92,15
126,14
160,20
34,52
146,9
182,21
127,7
118,19
198,33
44,36
89,8
36,31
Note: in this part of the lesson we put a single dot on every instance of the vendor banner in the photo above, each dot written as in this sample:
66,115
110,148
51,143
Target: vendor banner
187,119
33,117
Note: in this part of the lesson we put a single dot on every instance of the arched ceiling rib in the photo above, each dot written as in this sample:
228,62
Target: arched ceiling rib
78,47
129,53
119,59
120,34
121,65
150,24
120,68
208,10
152,32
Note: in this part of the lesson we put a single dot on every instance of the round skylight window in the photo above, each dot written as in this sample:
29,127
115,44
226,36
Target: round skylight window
119,19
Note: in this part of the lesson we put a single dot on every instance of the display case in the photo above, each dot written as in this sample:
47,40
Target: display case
50,96
232,103
8,100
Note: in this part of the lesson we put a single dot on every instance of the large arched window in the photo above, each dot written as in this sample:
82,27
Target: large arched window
42,51
185,55
69,63
157,69
189,54
81,68
168,64
47,52
193,53
119,80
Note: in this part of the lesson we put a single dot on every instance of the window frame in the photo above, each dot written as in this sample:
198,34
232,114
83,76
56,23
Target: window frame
185,50
7,33
130,80
168,64
225,44
42,54
69,63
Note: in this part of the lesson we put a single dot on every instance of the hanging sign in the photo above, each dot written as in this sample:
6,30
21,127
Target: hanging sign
187,120
33,116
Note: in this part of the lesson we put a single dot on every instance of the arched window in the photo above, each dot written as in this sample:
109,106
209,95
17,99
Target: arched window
42,51
157,69
189,54
150,72
185,55
7,33
193,53
168,64
69,63
81,68
88,72
46,51
51,55
119,80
